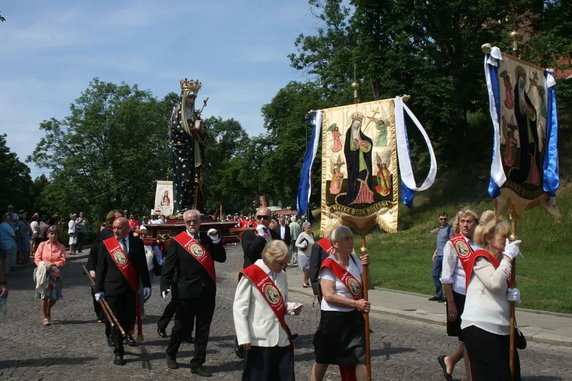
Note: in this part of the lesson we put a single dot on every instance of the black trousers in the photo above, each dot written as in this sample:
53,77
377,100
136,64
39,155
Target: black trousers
489,355
167,315
188,310
123,307
269,363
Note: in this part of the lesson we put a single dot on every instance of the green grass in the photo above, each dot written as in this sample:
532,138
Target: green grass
402,261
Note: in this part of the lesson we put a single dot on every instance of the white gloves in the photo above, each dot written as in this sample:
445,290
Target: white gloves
98,296
260,229
512,249
513,295
214,236
146,293
166,294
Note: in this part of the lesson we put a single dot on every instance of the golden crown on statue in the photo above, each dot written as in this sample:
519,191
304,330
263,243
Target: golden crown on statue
190,84
357,116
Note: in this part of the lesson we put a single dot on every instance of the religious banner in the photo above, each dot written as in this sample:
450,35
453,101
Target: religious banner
164,197
360,171
359,164
522,103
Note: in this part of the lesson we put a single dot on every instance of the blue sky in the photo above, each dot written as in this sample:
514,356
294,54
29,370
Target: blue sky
51,49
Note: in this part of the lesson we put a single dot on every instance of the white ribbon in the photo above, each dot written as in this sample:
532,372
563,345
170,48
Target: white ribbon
497,171
403,151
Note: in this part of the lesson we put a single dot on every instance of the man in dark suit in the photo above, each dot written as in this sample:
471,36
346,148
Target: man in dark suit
190,265
254,241
91,265
117,278
283,230
317,256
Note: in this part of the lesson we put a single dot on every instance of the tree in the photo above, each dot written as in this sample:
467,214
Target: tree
108,152
15,180
227,142
288,131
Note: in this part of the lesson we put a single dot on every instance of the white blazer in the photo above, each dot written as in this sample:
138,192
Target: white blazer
254,320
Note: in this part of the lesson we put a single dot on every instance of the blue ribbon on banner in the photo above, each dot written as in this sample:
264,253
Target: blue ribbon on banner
551,180
494,189
407,194
304,185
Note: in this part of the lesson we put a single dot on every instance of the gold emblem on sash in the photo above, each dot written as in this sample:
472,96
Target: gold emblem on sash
354,286
119,257
272,294
196,250
462,248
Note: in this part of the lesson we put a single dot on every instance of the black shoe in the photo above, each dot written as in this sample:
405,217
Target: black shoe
442,300
109,341
441,361
434,298
118,360
162,333
201,371
129,340
172,362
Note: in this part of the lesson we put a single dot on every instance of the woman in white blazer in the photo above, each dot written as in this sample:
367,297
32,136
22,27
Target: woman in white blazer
259,316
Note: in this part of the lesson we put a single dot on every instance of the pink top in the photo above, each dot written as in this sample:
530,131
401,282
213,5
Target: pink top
53,253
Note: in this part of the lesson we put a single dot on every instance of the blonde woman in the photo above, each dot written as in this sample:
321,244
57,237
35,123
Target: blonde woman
485,320
260,303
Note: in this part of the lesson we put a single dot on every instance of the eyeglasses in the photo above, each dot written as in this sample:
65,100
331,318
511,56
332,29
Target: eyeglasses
443,218
262,217
188,222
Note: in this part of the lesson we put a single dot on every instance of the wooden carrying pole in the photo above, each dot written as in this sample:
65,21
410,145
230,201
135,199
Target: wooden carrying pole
365,282
512,347
105,307
516,38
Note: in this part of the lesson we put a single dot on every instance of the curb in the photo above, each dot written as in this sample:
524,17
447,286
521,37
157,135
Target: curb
533,334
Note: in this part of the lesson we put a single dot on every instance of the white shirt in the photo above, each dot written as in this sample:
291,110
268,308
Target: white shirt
452,271
355,269
71,227
486,306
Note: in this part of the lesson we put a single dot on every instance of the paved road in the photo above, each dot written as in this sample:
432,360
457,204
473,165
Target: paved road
73,347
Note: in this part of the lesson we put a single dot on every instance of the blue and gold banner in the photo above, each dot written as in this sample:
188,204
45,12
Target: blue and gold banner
359,165
522,105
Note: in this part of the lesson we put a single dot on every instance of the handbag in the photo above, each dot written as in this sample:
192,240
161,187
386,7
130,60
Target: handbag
519,338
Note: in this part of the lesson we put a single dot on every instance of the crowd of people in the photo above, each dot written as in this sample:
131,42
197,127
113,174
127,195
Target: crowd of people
472,266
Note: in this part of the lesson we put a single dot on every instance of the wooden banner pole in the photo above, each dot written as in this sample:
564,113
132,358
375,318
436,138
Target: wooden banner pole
512,348
365,280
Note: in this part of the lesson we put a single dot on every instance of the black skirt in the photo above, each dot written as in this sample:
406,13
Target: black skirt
340,338
454,328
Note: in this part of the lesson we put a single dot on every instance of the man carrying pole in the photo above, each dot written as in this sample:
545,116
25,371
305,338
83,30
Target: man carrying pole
121,265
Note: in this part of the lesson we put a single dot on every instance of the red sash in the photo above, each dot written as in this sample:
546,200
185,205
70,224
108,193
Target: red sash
353,285
197,252
269,291
471,262
326,244
464,251
126,268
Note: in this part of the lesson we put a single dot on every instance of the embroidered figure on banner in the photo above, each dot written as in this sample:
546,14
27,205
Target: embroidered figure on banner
337,176
336,135
527,167
357,152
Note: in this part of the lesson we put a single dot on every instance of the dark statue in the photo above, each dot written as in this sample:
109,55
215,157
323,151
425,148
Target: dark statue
188,134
